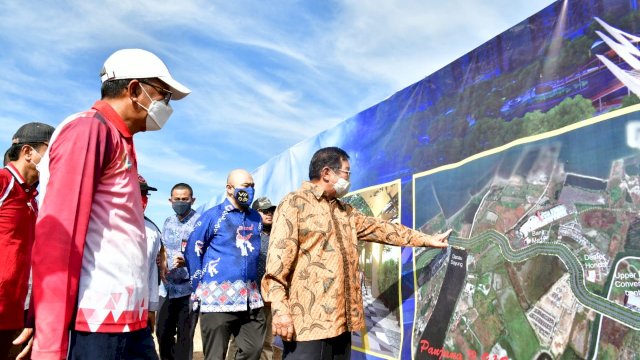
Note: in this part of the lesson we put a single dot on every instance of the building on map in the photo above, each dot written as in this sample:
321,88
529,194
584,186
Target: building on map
632,300
543,218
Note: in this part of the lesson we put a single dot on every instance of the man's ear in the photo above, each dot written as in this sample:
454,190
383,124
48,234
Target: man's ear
26,150
325,173
134,89
193,200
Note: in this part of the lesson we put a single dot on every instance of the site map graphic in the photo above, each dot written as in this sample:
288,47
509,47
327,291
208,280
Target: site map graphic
545,260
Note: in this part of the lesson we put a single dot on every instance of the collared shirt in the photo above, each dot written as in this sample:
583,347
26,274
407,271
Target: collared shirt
262,259
175,234
18,211
154,240
312,265
222,257
90,252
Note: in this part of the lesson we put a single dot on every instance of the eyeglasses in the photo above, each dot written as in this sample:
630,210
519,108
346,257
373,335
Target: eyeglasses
345,171
164,92
267,211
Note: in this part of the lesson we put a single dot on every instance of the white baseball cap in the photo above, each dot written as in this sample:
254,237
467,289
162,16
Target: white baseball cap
140,64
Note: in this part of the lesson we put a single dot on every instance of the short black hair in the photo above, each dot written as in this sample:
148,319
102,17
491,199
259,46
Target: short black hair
182,186
13,153
113,88
330,157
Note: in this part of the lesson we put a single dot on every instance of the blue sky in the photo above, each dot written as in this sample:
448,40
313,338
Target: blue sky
264,75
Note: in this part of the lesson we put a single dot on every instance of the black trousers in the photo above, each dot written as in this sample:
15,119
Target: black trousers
112,346
7,349
337,348
175,318
247,327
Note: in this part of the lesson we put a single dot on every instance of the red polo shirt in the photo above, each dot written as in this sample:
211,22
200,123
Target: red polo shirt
18,212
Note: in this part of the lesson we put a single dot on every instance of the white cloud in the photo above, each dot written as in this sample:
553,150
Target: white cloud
401,42
265,75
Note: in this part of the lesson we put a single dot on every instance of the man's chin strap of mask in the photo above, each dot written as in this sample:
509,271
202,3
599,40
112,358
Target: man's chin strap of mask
157,114
39,161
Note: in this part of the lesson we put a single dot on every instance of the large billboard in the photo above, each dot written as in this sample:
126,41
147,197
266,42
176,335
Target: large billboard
527,147
546,254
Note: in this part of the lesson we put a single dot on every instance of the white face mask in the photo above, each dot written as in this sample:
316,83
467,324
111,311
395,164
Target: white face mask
37,164
341,187
157,114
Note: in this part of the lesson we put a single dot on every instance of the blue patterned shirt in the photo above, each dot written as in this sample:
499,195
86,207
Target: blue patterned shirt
262,260
175,233
222,257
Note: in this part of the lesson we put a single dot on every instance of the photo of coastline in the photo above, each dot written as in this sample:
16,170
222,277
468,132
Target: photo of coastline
540,227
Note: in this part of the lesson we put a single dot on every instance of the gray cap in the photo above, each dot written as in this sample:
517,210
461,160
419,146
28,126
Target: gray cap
33,132
262,203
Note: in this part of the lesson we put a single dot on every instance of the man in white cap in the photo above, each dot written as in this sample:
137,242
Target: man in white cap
90,280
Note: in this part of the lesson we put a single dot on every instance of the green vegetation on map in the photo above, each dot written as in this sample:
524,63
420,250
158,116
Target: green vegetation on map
519,333
538,274
489,329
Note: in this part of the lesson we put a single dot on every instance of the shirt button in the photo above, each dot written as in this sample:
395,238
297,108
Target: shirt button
26,190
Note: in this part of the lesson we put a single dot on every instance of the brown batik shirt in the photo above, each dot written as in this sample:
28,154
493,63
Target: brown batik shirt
312,261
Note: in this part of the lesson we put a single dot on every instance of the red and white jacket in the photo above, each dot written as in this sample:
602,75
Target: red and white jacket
18,211
90,253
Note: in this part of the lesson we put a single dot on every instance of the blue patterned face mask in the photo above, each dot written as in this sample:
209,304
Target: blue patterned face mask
244,196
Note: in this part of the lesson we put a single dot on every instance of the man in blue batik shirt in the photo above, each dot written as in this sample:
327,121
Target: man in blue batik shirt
222,258
174,316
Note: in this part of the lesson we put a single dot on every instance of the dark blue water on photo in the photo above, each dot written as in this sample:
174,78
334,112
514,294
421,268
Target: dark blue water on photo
588,151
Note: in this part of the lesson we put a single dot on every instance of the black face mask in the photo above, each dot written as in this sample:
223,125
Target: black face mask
181,207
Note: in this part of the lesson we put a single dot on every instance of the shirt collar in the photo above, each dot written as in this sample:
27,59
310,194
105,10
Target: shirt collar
227,205
12,169
16,174
318,193
186,218
315,189
104,108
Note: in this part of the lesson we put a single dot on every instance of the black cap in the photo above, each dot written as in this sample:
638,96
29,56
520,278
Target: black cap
262,203
33,132
144,186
